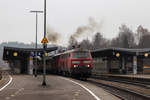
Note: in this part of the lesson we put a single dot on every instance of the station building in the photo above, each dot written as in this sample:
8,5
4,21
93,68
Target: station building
20,60
107,60
121,61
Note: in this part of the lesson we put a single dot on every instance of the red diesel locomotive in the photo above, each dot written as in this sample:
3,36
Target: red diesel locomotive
76,63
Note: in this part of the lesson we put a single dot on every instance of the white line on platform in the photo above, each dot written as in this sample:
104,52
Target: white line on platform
96,97
7,98
6,84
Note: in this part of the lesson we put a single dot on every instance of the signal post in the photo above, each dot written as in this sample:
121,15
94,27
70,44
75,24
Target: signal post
44,41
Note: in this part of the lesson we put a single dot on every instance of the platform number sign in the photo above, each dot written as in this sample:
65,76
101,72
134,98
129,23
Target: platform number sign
33,54
134,65
39,54
134,60
7,52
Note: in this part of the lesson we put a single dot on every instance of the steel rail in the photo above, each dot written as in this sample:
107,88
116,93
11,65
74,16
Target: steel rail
126,81
122,90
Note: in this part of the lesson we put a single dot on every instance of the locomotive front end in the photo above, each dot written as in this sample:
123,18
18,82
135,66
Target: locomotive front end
81,64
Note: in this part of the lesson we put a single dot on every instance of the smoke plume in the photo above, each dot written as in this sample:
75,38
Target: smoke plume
53,36
92,26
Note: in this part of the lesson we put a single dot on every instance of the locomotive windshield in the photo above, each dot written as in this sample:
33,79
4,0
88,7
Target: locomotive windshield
80,54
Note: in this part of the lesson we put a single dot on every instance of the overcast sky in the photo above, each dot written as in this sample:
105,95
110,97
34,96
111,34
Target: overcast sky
64,16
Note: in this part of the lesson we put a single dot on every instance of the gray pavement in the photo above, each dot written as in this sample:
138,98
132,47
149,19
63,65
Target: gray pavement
25,87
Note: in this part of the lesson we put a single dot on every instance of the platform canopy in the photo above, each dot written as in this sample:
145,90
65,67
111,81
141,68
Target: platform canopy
19,53
106,52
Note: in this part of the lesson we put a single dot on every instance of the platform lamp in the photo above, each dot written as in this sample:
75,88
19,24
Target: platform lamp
117,54
15,54
146,54
36,12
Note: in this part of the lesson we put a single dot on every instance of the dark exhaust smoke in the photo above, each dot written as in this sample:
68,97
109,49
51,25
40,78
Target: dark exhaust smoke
92,27
53,36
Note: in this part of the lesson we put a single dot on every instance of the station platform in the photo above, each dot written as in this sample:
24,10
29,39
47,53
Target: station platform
139,76
27,87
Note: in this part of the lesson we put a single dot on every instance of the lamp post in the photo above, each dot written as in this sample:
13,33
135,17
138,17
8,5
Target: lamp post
44,47
36,12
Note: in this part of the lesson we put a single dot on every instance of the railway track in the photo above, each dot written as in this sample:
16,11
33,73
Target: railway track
126,90
141,82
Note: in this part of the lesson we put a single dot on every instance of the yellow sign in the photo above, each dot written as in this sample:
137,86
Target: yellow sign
30,58
134,59
146,66
46,54
44,40
15,54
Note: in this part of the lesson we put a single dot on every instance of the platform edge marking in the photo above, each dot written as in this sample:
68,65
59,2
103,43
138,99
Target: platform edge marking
96,97
6,84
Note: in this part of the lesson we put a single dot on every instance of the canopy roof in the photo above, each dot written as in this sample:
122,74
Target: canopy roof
23,52
123,52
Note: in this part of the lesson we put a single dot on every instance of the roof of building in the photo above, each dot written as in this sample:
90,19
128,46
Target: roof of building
23,52
122,51
30,49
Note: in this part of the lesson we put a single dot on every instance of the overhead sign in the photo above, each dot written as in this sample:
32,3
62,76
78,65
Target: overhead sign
44,40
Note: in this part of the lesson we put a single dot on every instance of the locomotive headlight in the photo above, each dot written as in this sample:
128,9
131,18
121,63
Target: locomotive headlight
75,62
75,66
86,61
88,65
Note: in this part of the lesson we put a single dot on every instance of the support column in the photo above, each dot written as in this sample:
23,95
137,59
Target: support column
17,66
123,65
30,66
108,65
11,65
134,64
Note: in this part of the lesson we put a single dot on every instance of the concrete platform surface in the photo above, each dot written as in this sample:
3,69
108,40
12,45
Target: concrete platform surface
25,87
146,76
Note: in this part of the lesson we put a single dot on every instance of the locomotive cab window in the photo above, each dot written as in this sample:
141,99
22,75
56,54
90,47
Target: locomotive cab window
80,54
65,56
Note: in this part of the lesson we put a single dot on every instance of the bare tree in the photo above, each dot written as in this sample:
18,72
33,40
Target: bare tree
143,37
126,37
98,41
114,42
86,44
